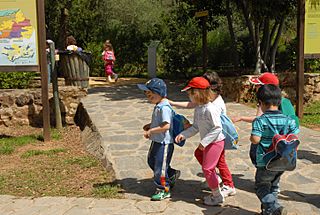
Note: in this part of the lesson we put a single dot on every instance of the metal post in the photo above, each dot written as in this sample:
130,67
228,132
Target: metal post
43,69
300,58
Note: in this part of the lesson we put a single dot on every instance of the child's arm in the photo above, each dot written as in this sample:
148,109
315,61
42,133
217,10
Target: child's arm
255,139
247,118
156,130
182,104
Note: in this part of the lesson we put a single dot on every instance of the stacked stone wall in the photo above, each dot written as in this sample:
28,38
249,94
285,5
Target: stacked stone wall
24,107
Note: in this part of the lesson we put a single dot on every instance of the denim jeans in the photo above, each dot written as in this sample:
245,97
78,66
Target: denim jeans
267,186
159,161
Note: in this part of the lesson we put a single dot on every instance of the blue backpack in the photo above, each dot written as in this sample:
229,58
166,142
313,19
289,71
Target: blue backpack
282,153
179,124
230,133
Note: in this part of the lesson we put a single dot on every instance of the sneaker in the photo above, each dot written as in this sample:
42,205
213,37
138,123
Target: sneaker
280,211
213,200
228,191
174,178
116,77
220,181
160,195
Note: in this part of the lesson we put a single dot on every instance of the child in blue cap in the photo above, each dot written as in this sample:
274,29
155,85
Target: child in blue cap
158,131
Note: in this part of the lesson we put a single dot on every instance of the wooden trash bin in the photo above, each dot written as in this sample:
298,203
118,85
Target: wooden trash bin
75,68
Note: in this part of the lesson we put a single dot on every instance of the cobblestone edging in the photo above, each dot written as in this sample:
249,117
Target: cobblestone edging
91,137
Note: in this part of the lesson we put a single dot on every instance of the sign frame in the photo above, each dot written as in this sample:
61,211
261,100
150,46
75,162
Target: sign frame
40,67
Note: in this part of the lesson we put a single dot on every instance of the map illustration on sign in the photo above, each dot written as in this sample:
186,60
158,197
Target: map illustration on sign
17,39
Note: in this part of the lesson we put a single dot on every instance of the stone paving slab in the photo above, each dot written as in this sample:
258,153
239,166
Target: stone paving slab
119,112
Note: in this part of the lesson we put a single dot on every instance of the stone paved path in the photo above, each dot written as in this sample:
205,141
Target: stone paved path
119,112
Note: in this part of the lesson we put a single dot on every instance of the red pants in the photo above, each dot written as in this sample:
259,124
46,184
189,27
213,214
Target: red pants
221,165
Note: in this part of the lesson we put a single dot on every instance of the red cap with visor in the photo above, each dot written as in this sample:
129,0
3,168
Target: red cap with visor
265,78
197,83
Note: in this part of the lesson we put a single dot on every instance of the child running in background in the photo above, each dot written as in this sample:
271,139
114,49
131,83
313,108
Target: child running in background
158,131
267,181
109,58
207,122
227,188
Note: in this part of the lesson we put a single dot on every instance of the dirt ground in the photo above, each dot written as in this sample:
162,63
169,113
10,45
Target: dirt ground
57,168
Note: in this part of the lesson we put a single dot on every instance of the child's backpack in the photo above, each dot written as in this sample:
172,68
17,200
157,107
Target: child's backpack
287,109
108,56
230,133
282,154
179,124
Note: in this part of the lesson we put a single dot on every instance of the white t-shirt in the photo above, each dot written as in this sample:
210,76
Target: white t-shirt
220,103
206,121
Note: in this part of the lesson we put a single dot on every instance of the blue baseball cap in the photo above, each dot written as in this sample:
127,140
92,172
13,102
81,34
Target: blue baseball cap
155,85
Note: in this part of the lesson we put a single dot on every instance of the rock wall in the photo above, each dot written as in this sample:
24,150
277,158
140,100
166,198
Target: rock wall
24,107
239,89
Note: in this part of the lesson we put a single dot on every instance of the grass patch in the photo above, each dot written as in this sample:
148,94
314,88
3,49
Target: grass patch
54,133
311,117
54,168
105,190
51,152
83,162
8,144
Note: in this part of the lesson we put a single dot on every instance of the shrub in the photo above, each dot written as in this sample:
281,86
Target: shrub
12,80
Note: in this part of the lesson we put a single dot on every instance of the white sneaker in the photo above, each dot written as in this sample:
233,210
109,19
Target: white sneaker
228,191
213,200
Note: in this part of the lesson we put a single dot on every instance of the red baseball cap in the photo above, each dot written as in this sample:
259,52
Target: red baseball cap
197,83
265,78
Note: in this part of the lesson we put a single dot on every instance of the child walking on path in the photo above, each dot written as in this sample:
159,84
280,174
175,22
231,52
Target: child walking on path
266,181
286,106
109,58
207,122
228,188
158,131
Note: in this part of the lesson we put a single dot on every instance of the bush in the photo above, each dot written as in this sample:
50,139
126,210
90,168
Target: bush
19,80
97,64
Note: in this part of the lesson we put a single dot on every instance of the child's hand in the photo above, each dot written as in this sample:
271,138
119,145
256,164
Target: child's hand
179,138
236,119
146,127
200,147
146,134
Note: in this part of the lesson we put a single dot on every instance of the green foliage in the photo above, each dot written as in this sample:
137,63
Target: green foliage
180,40
97,64
16,80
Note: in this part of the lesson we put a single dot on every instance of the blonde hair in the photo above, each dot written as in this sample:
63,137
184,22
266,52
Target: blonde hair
202,96
107,45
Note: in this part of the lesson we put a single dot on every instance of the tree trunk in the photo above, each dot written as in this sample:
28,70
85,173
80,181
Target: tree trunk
274,47
235,54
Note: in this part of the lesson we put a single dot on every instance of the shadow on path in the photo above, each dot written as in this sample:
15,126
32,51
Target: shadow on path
301,197
189,191
309,155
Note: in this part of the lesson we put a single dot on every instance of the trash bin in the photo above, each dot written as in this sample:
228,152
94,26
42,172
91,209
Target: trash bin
75,67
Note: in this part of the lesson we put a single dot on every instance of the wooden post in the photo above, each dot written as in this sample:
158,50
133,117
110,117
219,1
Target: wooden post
300,58
43,69
204,43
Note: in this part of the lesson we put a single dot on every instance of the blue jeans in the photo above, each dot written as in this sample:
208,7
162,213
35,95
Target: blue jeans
159,162
267,186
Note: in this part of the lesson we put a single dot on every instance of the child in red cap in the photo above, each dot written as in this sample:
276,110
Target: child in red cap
225,179
285,107
207,122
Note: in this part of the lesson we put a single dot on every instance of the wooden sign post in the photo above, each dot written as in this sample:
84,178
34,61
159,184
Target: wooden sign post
23,45
204,16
